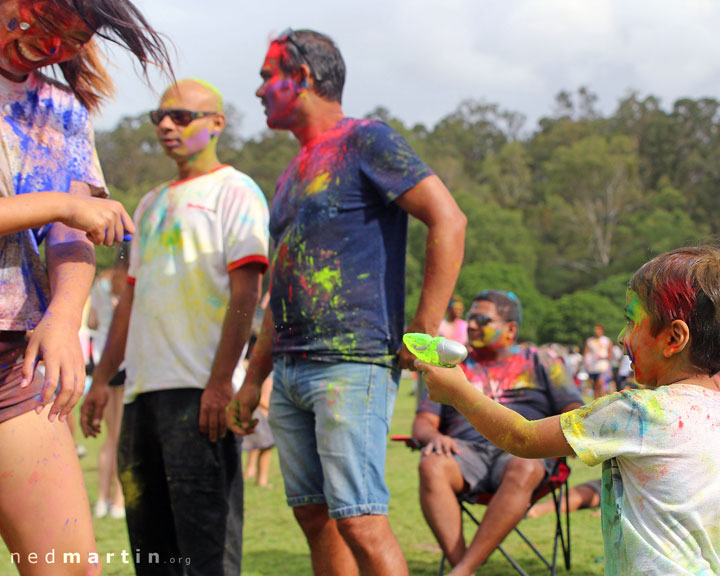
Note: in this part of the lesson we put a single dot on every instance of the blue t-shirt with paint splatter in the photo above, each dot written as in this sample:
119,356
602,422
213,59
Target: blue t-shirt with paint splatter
46,143
338,273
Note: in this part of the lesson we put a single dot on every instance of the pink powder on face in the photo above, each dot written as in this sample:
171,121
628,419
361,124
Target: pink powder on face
198,141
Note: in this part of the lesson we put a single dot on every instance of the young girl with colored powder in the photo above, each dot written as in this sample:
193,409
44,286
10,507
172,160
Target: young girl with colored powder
659,445
48,175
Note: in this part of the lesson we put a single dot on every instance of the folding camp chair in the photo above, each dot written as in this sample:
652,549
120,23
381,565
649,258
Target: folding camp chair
556,484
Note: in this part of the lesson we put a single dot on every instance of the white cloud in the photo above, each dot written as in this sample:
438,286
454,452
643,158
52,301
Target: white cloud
420,58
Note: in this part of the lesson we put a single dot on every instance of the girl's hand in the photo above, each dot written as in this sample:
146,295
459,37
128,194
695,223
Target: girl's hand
56,342
443,384
103,221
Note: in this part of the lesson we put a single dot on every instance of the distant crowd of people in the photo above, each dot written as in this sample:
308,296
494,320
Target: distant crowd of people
173,318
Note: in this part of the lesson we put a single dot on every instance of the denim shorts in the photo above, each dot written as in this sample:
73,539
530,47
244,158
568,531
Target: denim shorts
330,422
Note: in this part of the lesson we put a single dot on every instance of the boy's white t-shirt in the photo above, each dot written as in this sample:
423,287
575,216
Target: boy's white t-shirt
189,235
660,451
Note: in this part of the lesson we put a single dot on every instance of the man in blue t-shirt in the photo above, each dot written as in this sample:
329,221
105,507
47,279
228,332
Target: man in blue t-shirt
333,333
458,461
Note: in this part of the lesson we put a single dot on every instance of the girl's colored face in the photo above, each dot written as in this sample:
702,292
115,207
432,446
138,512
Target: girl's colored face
35,34
644,349
486,329
279,92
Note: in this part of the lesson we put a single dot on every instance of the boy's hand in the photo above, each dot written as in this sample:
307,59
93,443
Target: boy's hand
443,384
103,221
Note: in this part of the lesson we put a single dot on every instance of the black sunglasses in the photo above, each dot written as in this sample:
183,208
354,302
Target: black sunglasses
289,36
480,319
179,117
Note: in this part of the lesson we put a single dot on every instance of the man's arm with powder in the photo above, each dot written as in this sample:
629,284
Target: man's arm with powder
244,296
112,358
239,418
431,202
505,428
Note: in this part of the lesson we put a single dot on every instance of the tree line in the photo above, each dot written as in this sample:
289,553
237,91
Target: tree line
562,214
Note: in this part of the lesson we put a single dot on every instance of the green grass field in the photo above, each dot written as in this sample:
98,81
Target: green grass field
274,545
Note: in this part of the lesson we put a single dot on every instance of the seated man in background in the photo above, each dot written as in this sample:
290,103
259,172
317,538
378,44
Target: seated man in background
457,461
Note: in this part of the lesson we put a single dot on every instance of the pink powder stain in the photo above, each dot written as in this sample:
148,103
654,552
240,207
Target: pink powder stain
34,478
8,474
194,142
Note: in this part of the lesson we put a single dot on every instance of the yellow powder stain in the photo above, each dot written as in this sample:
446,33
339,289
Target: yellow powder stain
130,488
319,183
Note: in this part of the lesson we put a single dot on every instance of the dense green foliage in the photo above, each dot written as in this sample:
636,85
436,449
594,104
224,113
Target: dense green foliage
562,214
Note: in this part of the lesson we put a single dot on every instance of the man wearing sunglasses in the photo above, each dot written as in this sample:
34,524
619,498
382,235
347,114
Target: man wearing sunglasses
194,281
457,461
339,224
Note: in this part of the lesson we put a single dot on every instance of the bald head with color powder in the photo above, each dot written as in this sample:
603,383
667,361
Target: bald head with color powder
189,121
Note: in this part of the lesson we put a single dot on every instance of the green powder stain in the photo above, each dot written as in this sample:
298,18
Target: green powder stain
327,278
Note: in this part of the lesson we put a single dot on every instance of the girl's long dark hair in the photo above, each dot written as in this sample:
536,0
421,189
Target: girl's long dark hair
120,22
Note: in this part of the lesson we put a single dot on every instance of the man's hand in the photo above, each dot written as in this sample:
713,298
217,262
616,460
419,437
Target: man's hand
441,444
443,384
103,221
213,406
91,413
239,417
406,359
56,342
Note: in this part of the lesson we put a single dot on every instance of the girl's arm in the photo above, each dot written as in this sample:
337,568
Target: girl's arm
503,427
104,221
71,269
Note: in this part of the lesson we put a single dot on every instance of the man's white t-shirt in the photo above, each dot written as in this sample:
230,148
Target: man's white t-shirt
190,234
660,451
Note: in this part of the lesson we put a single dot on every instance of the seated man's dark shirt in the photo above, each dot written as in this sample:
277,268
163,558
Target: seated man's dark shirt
529,382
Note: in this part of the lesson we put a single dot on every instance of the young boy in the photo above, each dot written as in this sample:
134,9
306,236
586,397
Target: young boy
658,446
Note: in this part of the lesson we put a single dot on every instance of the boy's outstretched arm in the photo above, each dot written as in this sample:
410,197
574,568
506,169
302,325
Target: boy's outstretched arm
503,427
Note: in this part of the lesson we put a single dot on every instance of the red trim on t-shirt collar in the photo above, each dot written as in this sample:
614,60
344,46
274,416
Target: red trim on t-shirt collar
176,182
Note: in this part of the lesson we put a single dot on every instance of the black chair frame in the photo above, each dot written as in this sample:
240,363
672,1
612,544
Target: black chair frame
555,484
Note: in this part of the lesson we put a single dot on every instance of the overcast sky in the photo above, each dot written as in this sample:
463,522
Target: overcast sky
421,58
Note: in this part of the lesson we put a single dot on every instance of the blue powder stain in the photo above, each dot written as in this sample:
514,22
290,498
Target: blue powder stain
67,120
18,111
25,141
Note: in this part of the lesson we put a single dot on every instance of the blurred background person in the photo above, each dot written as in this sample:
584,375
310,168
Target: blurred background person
104,297
453,325
598,355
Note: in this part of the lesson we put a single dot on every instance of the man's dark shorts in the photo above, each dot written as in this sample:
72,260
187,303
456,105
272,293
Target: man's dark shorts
482,465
